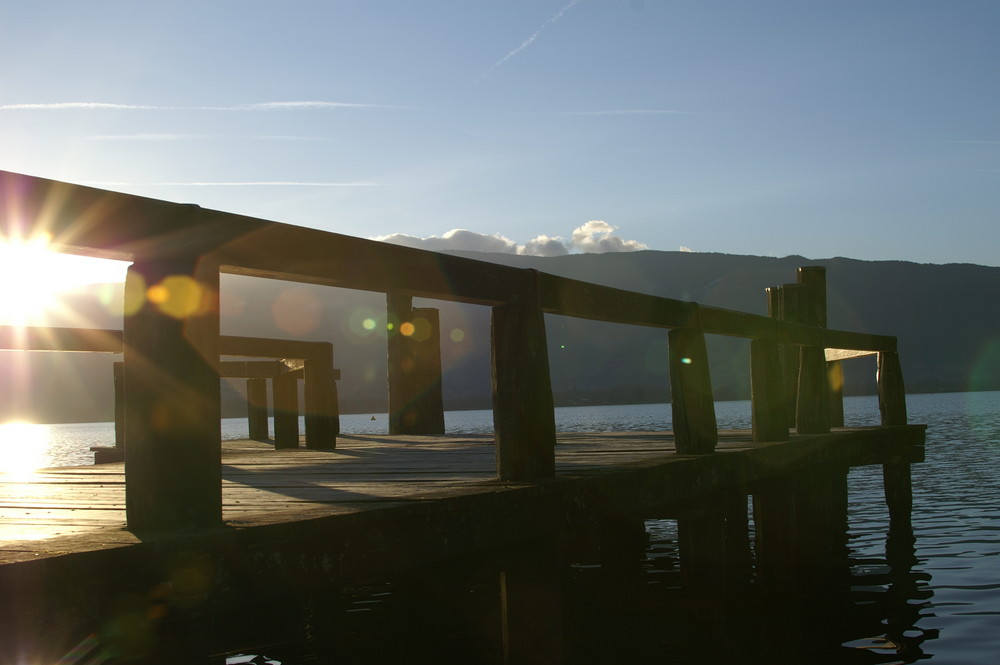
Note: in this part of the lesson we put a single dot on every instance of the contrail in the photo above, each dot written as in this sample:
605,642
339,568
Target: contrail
261,183
260,106
527,42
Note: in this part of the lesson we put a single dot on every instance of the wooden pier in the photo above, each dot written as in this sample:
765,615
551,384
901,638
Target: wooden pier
191,525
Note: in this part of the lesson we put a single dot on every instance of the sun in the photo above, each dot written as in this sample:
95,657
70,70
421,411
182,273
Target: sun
33,277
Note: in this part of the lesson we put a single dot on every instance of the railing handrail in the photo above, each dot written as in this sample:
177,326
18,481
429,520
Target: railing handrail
95,222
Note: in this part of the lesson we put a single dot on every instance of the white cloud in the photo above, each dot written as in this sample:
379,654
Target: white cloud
457,239
684,248
595,236
544,245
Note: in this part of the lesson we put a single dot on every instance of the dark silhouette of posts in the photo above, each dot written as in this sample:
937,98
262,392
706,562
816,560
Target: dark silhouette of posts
257,408
804,375
523,410
896,475
812,412
172,413
286,410
322,418
768,400
692,404
416,403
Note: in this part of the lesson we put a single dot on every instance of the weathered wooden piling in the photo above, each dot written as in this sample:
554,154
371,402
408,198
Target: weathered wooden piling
416,402
691,400
523,417
285,389
769,403
173,411
812,397
257,409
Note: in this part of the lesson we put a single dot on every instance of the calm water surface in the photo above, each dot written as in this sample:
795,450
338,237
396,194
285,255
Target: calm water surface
944,605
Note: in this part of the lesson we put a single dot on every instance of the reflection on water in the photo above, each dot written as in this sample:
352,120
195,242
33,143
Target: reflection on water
24,449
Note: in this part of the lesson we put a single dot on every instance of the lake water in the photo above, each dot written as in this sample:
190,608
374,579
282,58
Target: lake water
944,604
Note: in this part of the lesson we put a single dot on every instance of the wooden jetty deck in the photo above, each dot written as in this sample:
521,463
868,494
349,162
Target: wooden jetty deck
192,527
58,511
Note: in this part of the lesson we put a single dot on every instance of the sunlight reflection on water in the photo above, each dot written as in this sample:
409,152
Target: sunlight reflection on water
24,449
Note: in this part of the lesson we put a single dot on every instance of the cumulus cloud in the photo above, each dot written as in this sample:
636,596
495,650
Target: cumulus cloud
595,236
458,239
544,245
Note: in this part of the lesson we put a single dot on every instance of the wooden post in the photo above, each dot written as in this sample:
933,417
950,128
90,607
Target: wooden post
531,607
782,305
286,410
812,412
692,404
814,279
321,418
891,391
835,386
714,541
801,524
701,541
768,404
812,407
401,363
623,543
416,404
118,370
428,398
896,477
257,408
523,411
172,406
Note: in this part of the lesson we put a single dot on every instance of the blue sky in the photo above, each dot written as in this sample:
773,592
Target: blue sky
860,128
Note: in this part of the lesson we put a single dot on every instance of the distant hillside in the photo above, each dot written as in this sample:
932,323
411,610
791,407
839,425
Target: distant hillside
945,316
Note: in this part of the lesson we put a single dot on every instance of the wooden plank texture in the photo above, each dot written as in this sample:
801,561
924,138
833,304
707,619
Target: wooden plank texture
368,471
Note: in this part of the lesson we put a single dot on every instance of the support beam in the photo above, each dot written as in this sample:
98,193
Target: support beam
896,476
286,410
801,525
428,398
812,408
835,386
696,431
401,364
416,403
812,411
523,410
172,412
257,408
322,417
531,606
768,404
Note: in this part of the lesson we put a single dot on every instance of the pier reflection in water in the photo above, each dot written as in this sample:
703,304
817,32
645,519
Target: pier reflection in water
573,601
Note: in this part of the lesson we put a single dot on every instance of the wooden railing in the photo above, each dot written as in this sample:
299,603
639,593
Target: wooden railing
173,467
